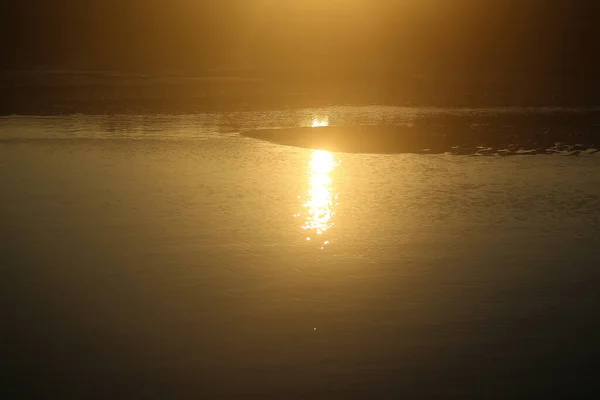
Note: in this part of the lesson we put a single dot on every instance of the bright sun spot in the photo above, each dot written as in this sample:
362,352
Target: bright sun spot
320,122
321,201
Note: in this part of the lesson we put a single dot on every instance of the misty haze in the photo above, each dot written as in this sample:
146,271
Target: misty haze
299,199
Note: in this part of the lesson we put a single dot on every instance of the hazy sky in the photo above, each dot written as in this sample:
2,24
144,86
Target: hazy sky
398,35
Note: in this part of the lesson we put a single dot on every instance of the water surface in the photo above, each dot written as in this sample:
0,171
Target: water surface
169,257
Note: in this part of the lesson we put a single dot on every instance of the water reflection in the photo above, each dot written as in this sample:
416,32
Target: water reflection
320,201
320,122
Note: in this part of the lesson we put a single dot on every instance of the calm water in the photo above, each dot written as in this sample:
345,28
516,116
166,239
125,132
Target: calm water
169,257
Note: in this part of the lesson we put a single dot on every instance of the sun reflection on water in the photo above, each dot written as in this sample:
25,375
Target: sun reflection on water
320,122
321,201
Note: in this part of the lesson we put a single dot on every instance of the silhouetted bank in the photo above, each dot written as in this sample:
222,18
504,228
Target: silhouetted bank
568,133
49,92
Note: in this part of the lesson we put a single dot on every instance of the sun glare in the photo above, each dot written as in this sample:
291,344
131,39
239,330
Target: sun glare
321,201
320,122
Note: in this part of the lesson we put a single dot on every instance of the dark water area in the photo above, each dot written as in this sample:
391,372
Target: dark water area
159,256
500,134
